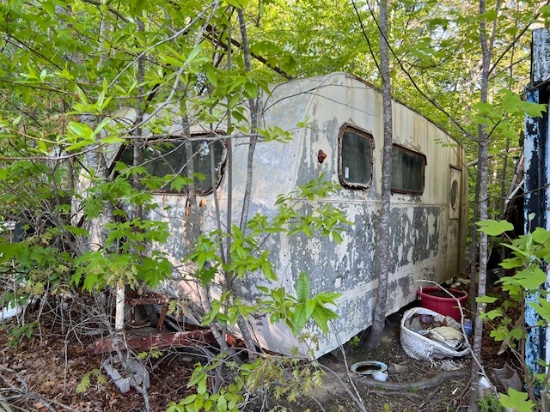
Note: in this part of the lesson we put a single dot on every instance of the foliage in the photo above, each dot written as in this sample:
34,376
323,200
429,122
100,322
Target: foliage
226,399
68,68
355,341
490,403
296,311
529,254
86,382
284,377
17,333
517,401
247,258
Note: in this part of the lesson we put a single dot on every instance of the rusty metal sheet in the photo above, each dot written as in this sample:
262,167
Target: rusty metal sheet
154,340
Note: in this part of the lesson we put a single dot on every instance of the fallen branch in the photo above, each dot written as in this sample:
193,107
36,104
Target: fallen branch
23,391
412,396
421,384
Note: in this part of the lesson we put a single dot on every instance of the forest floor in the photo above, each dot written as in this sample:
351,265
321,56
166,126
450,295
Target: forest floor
45,373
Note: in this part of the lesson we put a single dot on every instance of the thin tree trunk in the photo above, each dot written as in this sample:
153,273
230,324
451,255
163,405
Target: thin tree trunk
483,212
474,245
253,124
243,324
383,230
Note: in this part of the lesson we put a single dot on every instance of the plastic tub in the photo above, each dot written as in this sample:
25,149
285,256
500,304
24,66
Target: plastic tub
433,298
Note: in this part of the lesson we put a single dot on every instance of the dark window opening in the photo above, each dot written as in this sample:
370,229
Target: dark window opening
407,171
355,158
454,194
188,158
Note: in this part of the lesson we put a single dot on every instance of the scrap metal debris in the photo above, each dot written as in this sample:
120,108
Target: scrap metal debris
160,341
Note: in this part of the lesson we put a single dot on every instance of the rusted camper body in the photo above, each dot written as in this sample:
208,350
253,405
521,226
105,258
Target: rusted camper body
344,120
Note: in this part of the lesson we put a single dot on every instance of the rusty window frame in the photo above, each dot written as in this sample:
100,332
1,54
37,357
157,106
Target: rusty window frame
406,175
345,165
166,151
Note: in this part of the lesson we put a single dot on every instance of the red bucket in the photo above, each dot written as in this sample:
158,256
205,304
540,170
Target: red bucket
436,299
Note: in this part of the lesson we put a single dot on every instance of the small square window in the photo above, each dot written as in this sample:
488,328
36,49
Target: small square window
355,158
407,171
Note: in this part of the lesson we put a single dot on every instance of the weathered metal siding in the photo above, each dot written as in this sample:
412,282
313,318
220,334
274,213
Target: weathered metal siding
537,180
426,244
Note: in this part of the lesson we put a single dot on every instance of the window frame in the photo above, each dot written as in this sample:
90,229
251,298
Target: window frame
366,135
200,137
425,163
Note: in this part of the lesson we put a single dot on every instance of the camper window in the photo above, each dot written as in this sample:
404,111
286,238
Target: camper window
182,157
355,158
407,171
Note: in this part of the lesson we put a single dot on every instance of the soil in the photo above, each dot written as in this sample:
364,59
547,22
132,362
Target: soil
44,372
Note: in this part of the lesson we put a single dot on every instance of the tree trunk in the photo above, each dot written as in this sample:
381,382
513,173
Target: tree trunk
384,226
242,322
253,125
483,140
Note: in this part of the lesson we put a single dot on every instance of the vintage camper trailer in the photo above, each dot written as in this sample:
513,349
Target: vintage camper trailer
343,118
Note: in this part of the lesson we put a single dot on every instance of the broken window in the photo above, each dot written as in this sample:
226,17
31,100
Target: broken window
189,158
407,171
355,158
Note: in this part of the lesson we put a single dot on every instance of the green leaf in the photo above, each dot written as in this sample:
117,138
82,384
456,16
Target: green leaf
198,376
510,101
251,90
80,130
267,270
542,307
494,228
82,95
299,318
91,282
495,313
517,401
489,15
541,235
84,384
486,299
303,287
239,4
194,53
49,8
112,140
534,109
188,400
437,22
524,251
137,6
310,307
530,278
222,404
327,297
169,59
511,263
322,315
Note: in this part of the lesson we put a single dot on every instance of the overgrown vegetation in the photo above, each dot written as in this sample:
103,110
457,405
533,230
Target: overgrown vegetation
522,308
82,215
